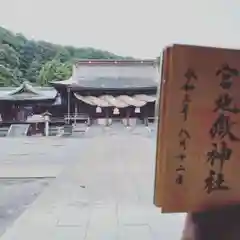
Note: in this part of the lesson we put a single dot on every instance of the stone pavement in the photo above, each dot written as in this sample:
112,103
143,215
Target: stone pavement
16,195
105,192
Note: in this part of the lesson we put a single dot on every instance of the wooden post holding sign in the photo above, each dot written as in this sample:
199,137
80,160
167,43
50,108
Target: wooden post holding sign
198,145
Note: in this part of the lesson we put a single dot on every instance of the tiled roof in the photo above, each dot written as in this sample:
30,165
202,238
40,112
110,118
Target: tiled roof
116,83
113,74
122,62
27,92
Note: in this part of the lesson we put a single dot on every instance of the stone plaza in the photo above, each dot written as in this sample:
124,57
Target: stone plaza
94,186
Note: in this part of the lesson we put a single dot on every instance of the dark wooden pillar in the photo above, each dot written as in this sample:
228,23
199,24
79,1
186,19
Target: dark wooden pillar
107,116
128,116
145,115
68,105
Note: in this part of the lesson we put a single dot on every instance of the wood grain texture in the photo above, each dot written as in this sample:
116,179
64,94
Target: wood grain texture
191,195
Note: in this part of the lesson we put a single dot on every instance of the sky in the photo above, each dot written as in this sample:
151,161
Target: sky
138,28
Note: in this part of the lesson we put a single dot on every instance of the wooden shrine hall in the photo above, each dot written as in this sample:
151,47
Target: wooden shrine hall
17,103
111,90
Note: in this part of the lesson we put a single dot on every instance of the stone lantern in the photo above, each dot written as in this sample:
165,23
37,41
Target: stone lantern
46,117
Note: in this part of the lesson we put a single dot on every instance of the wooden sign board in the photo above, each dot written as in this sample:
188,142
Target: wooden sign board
197,163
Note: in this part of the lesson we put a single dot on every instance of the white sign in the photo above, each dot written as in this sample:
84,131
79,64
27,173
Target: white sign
116,111
137,110
98,110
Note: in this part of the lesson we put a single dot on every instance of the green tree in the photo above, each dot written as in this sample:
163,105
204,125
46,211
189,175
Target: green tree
32,72
27,55
17,77
63,55
9,61
45,51
5,76
8,56
22,59
7,37
54,71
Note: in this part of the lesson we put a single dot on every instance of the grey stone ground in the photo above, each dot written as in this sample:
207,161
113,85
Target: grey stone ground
15,196
103,187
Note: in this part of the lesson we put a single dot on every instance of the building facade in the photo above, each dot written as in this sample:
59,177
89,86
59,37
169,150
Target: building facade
16,104
112,90
98,89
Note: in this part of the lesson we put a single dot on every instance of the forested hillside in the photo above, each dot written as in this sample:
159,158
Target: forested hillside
39,62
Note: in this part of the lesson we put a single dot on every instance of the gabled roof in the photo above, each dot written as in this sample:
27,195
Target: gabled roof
27,92
66,82
116,83
24,87
113,74
122,62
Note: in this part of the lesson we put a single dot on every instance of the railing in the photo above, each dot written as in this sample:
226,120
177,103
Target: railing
105,124
66,117
77,117
57,119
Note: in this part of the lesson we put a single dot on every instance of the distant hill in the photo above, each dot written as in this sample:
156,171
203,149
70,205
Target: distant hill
40,62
